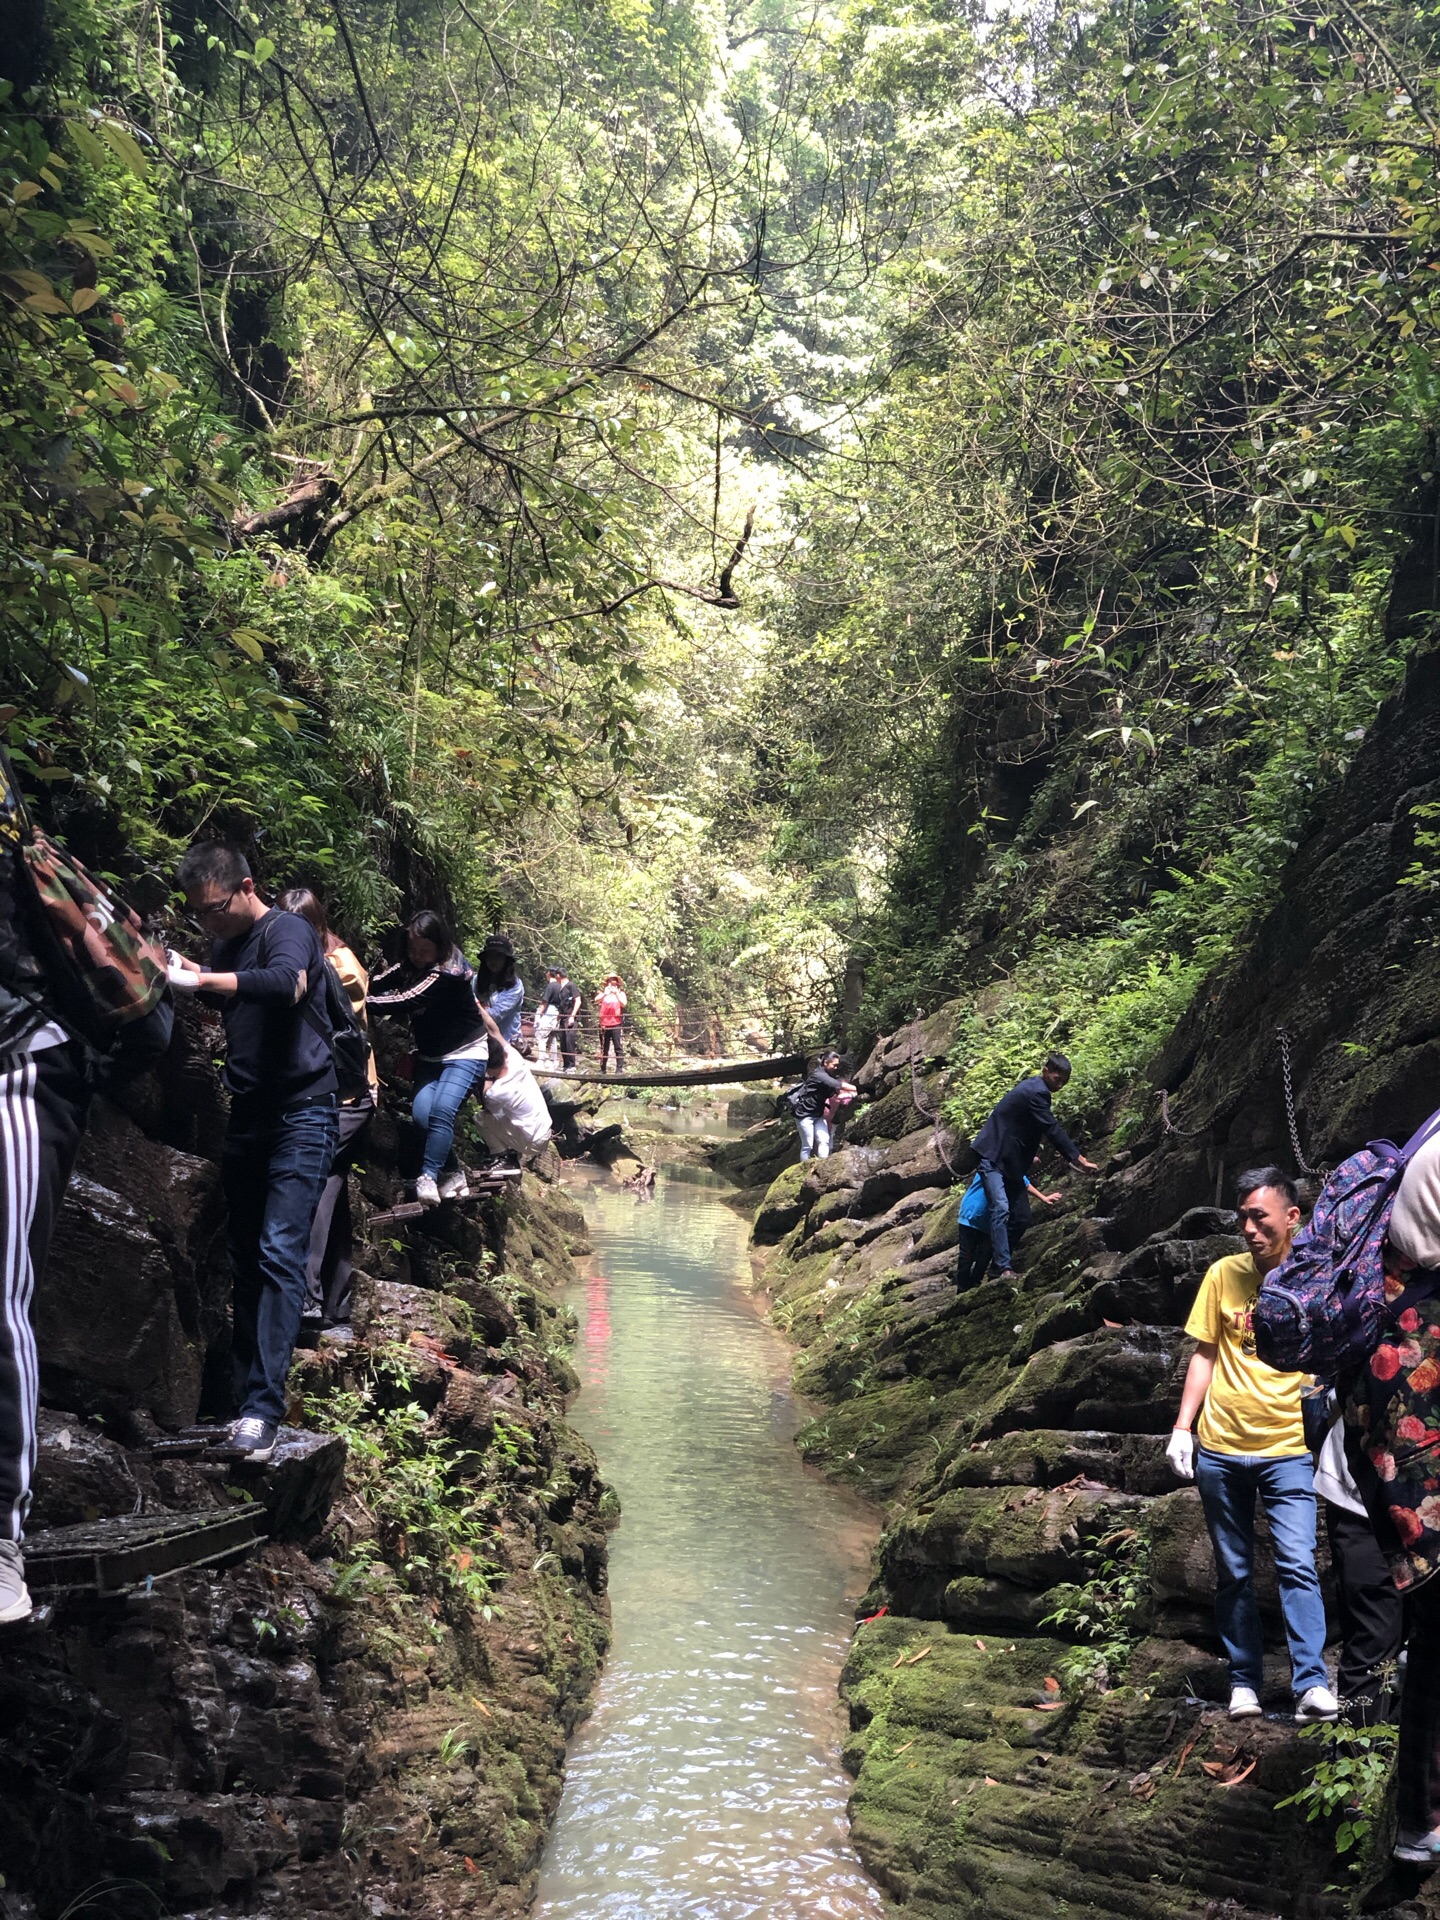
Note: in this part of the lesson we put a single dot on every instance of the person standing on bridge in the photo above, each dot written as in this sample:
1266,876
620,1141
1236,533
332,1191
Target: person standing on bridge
809,1100
567,1004
610,1004
1007,1144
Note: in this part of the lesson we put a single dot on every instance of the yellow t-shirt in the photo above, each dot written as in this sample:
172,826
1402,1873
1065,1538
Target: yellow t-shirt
1250,1408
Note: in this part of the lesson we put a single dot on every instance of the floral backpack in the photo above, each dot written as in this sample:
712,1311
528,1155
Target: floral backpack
1323,1310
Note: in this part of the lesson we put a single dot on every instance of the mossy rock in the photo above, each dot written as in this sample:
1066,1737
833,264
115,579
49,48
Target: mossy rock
1122,1380
759,1155
783,1207
1031,1538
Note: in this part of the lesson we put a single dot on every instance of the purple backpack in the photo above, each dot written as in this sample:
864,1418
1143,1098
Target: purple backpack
1323,1309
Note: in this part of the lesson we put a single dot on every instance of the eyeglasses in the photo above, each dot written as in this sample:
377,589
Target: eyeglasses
199,915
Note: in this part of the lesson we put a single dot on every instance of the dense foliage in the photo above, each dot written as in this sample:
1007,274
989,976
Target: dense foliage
385,388
1148,507
722,496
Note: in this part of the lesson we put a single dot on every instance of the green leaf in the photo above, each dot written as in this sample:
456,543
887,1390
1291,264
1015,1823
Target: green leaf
124,145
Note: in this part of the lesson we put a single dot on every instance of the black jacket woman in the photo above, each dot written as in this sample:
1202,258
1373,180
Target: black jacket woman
435,989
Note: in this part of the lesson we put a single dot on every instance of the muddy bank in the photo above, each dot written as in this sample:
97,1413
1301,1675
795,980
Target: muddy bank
367,1714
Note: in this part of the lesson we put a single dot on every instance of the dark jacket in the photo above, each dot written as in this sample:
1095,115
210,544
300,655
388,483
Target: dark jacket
813,1091
278,1050
1011,1137
441,1004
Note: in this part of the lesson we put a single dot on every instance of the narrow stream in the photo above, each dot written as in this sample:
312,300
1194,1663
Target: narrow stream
707,1783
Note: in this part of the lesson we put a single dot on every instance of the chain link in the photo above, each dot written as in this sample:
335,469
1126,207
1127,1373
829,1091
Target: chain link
1167,1125
926,1112
1282,1034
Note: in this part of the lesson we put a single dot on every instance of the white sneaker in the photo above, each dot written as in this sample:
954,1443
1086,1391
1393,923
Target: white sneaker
453,1186
1421,1849
1317,1703
15,1603
1244,1703
426,1191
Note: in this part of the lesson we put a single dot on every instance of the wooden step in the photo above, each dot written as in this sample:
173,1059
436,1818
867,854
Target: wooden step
116,1556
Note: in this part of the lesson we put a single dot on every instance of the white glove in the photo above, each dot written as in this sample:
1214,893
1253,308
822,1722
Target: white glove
181,974
1181,1453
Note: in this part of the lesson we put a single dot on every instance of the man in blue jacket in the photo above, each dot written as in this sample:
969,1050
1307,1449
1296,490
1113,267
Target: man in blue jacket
1008,1142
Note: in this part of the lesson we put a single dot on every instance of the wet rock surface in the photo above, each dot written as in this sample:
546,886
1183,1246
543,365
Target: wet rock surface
366,1715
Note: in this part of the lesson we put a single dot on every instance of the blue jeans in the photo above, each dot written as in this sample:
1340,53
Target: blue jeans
437,1105
273,1169
998,1203
814,1135
1228,1486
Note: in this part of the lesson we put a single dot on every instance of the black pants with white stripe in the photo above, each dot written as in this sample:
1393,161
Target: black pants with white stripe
43,1103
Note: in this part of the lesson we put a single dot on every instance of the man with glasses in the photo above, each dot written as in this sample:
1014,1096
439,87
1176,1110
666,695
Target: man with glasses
267,977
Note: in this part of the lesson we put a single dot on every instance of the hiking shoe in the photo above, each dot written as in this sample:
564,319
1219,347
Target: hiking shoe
14,1594
1245,1703
453,1186
426,1191
342,1334
1421,1849
1009,1276
1317,1703
249,1439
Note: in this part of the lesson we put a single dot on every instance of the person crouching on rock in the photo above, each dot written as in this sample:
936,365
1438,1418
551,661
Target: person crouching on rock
514,1118
1252,1442
973,1250
435,989
1007,1144
809,1100
267,976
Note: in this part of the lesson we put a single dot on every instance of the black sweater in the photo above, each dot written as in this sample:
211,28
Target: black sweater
440,1004
278,1051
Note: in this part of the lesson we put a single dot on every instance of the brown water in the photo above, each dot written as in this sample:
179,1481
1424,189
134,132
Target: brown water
707,1783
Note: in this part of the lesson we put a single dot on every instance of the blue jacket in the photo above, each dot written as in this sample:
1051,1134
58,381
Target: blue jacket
504,1004
1011,1137
975,1207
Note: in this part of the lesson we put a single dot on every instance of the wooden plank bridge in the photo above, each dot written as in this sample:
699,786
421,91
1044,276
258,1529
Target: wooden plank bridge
721,1073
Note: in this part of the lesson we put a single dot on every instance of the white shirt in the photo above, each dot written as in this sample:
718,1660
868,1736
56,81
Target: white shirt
513,1114
1333,1479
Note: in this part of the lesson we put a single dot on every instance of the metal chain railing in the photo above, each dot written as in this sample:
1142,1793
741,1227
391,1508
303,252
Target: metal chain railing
1282,1034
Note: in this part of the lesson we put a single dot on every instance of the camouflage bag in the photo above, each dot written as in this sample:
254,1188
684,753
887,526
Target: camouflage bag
105,970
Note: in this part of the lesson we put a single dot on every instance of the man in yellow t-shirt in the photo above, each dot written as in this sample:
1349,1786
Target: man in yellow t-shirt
1252,1442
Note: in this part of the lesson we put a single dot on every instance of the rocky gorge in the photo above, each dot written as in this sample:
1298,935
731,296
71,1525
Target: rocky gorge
365,1710
1035,1697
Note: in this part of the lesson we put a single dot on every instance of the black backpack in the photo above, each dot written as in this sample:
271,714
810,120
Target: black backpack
351,1042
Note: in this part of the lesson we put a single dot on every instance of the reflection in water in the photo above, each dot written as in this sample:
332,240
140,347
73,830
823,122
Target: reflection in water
706,1784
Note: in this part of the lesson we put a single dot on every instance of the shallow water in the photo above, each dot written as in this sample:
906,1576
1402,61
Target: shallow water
707,1783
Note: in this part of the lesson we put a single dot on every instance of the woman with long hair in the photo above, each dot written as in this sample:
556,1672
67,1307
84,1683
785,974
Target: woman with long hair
499,988
330,1269
435,988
